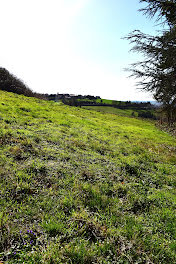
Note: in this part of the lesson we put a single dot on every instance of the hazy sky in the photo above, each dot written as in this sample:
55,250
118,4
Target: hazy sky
72,46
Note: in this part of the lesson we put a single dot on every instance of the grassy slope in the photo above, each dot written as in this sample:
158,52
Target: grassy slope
81,186
117,111
106,101
112,110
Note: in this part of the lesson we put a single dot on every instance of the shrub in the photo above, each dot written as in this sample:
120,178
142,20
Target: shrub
10,83
147,114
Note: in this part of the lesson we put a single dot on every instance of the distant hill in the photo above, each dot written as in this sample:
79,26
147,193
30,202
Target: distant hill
152,102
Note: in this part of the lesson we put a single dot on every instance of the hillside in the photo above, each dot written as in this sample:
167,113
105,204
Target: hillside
122,112
81,186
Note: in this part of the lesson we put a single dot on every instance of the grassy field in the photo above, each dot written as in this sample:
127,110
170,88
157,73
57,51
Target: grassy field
113,110
104,101
82,186
121,112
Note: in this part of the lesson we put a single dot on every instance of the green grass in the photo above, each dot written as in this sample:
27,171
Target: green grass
113,110
82,186
122,112
104,101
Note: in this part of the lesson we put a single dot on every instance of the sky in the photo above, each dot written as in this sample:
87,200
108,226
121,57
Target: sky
73,46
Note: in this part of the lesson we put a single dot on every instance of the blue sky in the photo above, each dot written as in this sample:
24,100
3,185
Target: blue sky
72,46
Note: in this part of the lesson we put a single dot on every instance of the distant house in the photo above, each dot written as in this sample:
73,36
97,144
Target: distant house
57,97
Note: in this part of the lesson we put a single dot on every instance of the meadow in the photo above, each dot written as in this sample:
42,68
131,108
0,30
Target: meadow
80,186
121,112
112,110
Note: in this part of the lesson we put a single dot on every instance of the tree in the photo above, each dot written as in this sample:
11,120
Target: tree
157,72
10,83
164,9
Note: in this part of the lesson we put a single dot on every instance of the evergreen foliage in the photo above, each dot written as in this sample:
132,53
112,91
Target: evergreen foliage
157,72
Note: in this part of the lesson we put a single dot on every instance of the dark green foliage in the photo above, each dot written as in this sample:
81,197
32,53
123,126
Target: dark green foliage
157,73
146,114
10,83
162,8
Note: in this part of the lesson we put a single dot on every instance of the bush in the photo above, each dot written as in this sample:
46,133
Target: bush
147,114
10,83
